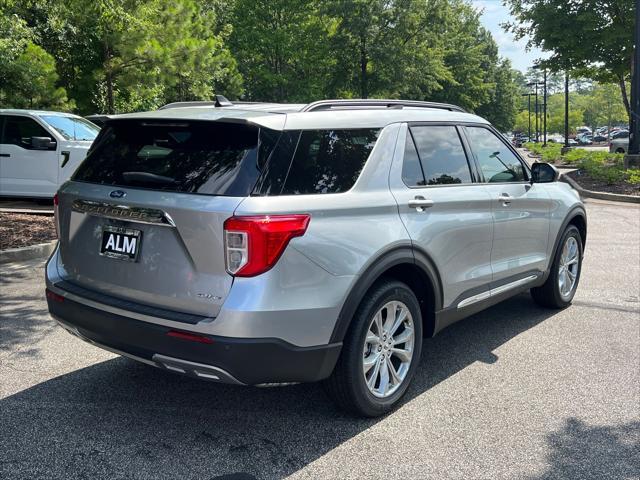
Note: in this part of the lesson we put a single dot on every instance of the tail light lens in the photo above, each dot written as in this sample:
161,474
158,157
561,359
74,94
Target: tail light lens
253,244
55,214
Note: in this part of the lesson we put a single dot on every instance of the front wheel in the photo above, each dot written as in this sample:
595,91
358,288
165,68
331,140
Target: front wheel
381,351
561,285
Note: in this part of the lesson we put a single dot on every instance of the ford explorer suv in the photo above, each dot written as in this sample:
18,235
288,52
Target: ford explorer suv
40,150
266,244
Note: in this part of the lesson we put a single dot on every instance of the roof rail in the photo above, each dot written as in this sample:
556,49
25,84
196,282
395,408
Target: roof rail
220,101
329,104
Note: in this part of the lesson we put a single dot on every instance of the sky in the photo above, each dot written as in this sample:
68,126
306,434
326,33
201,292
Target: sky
494,14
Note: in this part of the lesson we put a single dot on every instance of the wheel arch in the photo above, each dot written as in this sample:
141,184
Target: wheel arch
577,216
406,264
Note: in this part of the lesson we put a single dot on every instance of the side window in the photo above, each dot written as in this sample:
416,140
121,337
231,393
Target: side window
412,175
19,130
497,162
441,155
328,161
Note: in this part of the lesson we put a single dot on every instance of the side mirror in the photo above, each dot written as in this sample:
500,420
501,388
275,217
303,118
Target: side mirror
42,143
544,173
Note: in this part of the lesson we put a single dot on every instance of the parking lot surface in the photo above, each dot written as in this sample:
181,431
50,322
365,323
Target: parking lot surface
516,391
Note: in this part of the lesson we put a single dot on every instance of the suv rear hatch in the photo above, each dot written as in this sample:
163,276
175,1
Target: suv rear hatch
143,218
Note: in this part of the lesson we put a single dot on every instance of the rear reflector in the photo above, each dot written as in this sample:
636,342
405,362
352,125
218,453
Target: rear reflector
54,296
192,337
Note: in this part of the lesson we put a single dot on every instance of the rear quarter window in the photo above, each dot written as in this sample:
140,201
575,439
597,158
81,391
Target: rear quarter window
317,161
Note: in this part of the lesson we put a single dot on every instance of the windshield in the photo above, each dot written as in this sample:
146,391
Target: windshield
72,128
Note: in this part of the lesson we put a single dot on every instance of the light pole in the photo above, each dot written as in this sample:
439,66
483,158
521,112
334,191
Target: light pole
633,155
528,95
535,84
538,66
544,107
566,110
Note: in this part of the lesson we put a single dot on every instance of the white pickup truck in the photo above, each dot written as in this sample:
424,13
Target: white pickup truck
39,150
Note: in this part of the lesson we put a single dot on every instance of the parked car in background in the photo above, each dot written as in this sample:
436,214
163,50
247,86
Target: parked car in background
584,139
619,145
39,150
599,138
620,134
265,244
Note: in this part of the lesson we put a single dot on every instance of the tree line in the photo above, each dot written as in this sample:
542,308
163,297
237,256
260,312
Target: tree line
112,56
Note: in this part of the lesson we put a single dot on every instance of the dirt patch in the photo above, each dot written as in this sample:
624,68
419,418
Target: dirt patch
588,183
23,230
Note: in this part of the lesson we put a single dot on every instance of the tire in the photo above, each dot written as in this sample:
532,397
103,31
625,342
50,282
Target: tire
347,385
620,150
549,294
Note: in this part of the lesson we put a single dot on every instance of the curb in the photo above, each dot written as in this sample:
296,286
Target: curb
42,250
615,197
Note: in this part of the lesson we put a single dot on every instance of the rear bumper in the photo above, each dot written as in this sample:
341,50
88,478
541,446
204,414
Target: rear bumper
250,361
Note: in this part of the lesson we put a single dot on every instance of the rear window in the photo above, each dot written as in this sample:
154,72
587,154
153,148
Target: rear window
194,157
226,159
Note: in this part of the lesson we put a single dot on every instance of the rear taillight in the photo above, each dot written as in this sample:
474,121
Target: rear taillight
55,214
253,244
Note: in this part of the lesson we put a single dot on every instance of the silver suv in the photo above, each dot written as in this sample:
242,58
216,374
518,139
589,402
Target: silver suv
264,244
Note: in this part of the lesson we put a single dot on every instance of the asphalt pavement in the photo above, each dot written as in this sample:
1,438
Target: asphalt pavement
515,392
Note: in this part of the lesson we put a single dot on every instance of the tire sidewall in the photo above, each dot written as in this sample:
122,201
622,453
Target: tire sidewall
393,291
572,231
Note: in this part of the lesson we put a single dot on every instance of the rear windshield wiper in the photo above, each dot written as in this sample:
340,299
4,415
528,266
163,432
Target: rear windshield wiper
146,177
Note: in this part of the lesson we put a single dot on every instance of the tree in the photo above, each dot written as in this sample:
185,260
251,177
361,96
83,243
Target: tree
592,36
122,55
282,47
603,107
28,76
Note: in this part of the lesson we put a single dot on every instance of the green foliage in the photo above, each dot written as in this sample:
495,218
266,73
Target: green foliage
592,36
126,55
28,75
633,176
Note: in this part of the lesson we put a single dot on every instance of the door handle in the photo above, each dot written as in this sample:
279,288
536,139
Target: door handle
5,154
505,199
420,203
65,160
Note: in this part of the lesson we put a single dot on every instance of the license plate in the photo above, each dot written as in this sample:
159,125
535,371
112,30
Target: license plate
122,243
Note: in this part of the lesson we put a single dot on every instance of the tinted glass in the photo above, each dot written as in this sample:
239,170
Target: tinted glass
72,128
442,156
412,175
278,164
497,162
324,161
19,130
197,157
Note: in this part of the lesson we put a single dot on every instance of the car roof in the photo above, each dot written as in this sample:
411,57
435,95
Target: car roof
20,111
290,116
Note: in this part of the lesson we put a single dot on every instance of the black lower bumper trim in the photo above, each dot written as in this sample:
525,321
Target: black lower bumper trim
250,361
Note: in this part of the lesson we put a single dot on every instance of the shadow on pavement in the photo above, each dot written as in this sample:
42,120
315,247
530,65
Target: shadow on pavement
123,419
588,452
23,318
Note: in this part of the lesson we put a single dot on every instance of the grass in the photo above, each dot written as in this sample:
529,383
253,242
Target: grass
602,166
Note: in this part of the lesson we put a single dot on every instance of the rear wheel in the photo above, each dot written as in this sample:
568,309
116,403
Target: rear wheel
559,289
381,351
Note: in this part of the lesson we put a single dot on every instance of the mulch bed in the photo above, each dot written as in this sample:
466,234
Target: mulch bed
23,230
588,183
